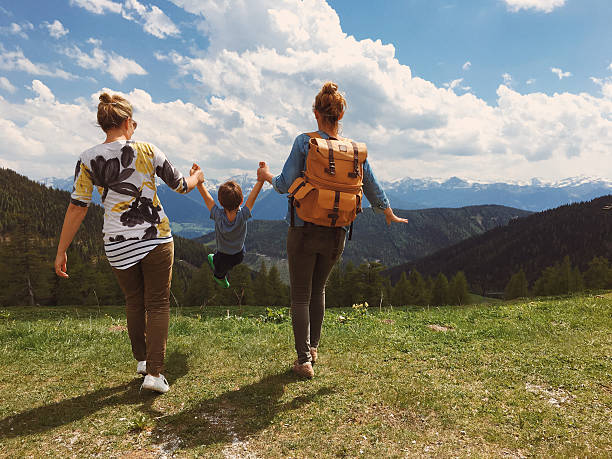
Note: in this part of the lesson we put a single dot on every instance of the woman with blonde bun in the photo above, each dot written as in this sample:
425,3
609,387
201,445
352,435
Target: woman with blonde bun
137,238
312,250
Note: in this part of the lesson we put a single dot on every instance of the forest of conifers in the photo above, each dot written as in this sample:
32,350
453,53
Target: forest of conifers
31,217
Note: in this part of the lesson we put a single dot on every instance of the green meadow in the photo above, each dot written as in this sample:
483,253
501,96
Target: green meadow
505,379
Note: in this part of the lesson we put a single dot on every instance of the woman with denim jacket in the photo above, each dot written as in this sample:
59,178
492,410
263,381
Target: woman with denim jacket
312,250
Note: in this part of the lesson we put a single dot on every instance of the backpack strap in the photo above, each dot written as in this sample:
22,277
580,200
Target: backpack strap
312,135
331,170
334,215
355,172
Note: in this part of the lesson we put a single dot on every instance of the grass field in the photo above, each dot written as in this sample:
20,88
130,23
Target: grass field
510,379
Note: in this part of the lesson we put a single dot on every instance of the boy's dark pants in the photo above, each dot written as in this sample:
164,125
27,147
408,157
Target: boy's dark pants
224,262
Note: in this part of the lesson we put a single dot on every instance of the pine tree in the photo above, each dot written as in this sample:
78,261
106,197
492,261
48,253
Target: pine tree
261,286
577,281
402,292
565,276
371,285
549,282
420,291
598,275
517,286
351,289
276,293
458,289
440,294
201,288
334,290
241,285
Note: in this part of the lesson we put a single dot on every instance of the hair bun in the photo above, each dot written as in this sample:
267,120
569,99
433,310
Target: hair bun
329,88
105,98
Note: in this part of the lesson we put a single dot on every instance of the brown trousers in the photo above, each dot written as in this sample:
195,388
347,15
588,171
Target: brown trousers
146,287
312,252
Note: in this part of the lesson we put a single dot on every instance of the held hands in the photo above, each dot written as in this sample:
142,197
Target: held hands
197,171
60,264
263,173
391,217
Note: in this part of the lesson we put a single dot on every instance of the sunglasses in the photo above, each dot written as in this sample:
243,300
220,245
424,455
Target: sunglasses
134,123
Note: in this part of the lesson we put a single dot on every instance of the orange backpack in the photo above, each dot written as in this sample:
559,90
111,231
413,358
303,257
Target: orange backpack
329,191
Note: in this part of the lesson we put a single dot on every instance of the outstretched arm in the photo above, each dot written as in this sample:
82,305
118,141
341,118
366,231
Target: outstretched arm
72,221
197,172
250,202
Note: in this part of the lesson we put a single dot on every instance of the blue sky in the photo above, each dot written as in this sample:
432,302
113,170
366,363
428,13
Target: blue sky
436,38
481,89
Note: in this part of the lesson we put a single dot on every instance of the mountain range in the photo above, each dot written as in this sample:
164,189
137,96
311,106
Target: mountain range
580,231
190,218
427,231
488,242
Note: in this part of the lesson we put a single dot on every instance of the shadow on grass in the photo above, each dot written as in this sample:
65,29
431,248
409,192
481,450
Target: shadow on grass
64,412
234,415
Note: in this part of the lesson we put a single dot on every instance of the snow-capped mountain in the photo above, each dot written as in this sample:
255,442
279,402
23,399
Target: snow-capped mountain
535,195
408,193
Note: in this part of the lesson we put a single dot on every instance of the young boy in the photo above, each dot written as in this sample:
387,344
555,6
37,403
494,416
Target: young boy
230,225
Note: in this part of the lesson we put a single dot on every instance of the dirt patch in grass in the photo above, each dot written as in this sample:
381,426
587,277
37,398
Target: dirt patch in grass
555,397
439,328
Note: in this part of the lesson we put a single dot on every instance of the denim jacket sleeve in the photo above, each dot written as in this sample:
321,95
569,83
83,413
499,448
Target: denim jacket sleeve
373,191
293,166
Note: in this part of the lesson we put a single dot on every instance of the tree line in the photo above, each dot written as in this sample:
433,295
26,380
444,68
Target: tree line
562,278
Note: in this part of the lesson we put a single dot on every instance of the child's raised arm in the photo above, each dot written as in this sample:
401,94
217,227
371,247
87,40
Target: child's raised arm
208,199
250,202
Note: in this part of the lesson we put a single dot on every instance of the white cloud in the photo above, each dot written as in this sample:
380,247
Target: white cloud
155,20
453,84
610,66
56,29
16,29
6,85
605,84
256,92
560,73
117,66
547,6
507,78
467,65
26,129
530,81
98,6
16,61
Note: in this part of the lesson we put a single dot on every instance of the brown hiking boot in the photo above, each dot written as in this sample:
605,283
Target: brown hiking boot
313,354
304,370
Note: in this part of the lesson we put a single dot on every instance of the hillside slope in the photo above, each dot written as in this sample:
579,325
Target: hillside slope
580,231
31,218
427,230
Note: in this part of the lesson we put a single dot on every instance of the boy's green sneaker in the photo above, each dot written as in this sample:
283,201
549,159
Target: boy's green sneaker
222,282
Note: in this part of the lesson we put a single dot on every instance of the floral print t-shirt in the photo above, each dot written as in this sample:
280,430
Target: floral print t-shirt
124,173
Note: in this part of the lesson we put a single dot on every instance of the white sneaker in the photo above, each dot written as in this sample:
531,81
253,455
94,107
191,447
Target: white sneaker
141,368
156,383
